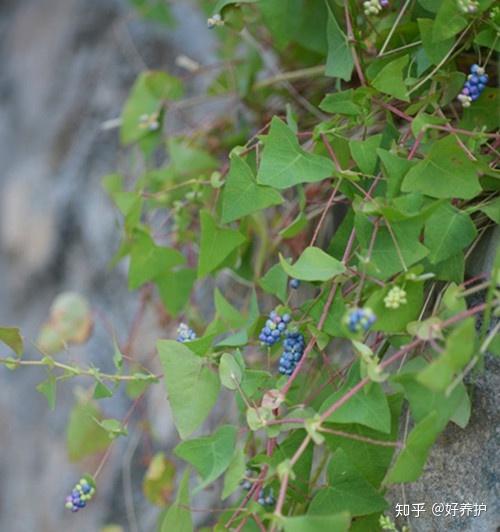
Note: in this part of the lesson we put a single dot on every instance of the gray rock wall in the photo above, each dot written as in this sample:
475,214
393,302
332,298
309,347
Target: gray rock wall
66,66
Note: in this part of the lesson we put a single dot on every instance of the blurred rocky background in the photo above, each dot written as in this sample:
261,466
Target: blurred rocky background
66,67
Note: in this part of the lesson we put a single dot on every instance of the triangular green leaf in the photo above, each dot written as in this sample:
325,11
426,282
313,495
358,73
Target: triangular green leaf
184,373
210,455
284,163
339,61
368,407
242,195
216,244
313,265
347,490
390,79
446,172
178,516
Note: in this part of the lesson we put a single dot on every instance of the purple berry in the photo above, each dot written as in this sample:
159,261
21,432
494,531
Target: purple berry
294,283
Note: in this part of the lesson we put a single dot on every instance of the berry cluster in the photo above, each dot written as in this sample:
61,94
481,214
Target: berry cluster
294,345
274,328
266,497
395,298
185,333
360,319
468,6
474,86
80,495
294,283
374,7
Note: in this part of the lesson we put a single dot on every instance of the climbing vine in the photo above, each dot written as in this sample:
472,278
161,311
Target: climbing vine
307,253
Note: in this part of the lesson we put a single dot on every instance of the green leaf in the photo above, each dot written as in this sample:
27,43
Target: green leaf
347,490
313,265
155,10
300,485
295,227
230,372
83,435
276,17
275,282
446,172
149,91
113,427
48,388
210,455
364,152
388,249
479,115
188,160
449,21
451,269
285,164
314,523
395,170
447,231
175,288
423,400
339,61
221,4
333,322
241,195
11,336
459,350
185,372
234,473
492,210
231,317
390,79
148,261
411,460
489,38
435,51
216,244
371,460
368,407
158,482
178,516
395,320
340,103
101,391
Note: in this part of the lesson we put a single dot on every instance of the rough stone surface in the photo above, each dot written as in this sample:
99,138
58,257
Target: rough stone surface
66,67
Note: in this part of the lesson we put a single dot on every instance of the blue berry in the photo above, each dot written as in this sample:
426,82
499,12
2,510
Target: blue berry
185,333
274,328
80,495
294,283
294,346
474,86
360,319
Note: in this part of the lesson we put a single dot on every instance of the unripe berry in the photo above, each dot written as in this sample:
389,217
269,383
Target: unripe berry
395,298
